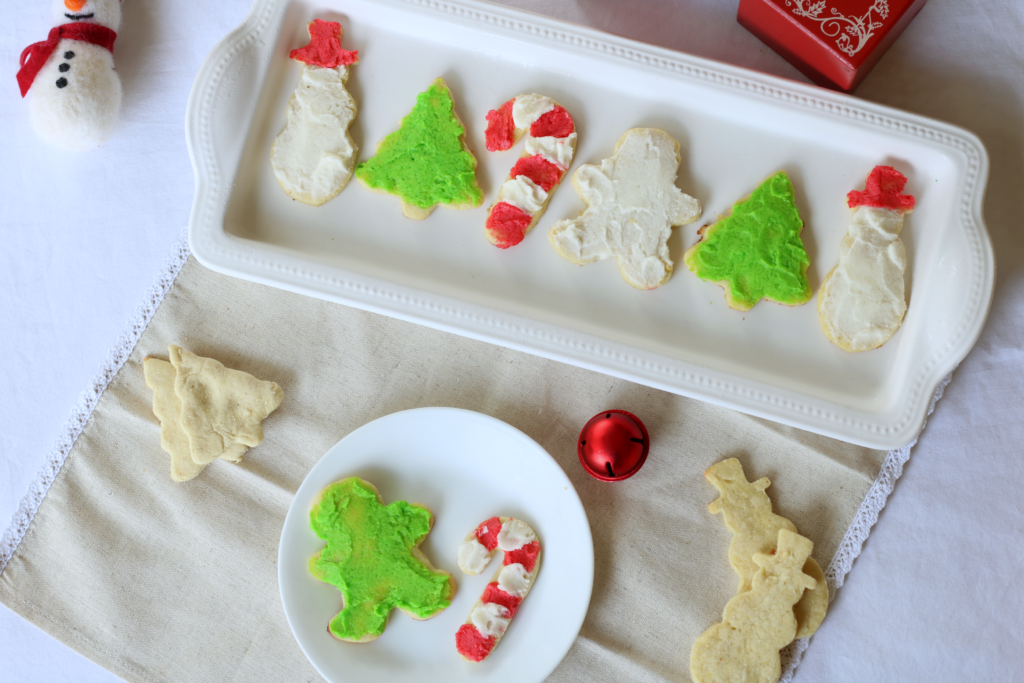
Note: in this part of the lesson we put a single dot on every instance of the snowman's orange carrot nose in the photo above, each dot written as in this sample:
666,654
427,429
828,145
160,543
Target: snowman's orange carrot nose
74,5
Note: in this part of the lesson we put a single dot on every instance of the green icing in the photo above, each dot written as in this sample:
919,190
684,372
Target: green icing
369,557
424,161
757,249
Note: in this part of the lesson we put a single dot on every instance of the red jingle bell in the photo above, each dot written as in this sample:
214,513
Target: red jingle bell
613,445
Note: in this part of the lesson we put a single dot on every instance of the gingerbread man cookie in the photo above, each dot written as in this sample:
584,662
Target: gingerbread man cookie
632,206
373,557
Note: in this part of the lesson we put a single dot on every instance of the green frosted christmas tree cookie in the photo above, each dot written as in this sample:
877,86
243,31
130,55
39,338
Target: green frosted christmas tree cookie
756,252
426,162
372,556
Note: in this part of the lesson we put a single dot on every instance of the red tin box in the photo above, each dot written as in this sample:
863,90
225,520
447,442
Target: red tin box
834,42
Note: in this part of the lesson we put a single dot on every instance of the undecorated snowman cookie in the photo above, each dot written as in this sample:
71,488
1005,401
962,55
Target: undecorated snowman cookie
632,206
757,623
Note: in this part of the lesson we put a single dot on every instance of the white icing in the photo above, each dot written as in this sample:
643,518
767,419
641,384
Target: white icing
515,534
523,193
862,303
314,156
528,108
473,556
558,151
491,619
514,580
632,204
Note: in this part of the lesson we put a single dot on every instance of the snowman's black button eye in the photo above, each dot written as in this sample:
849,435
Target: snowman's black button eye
61,82
63,68
69,54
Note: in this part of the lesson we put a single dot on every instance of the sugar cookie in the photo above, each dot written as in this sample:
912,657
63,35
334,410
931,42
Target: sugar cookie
550,143
861,303
167,407
426,161
756,623
220,407
747,513
632,206
313,157
477,638
756,252
372,556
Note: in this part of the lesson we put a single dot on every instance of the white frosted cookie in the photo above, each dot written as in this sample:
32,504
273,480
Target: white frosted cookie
862,301
167,408
220,407
632,205
314,156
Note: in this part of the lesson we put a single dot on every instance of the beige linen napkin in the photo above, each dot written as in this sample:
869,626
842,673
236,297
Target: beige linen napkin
160,581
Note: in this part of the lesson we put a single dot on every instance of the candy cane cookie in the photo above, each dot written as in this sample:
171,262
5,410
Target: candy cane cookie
550,144
477,638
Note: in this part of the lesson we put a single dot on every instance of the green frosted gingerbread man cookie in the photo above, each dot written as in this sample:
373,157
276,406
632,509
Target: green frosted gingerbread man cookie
372,556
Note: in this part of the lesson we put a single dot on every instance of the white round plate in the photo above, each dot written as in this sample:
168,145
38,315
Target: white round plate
466,467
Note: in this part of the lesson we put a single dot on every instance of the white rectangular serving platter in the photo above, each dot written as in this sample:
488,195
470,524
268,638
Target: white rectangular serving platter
735,127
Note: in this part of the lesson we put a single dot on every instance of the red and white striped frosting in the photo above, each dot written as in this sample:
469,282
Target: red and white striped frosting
550,144
490,617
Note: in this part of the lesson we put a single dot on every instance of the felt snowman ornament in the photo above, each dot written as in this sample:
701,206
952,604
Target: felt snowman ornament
76,94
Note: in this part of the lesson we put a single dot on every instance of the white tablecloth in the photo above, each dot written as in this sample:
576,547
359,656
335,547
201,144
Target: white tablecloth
935,594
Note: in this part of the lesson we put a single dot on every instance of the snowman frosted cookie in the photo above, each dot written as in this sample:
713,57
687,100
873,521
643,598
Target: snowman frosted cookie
75,92
314,156
632,206
862,301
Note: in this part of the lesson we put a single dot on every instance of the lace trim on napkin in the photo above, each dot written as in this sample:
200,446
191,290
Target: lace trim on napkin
87,401
835,573
857,533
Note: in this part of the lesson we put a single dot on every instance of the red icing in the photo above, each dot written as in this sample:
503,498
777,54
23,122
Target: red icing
539,170
507,224
500,127
472,644
487,533
324,47
526,556
882,190
556,123
494,594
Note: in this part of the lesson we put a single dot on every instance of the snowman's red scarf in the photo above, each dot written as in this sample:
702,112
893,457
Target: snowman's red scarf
34,57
